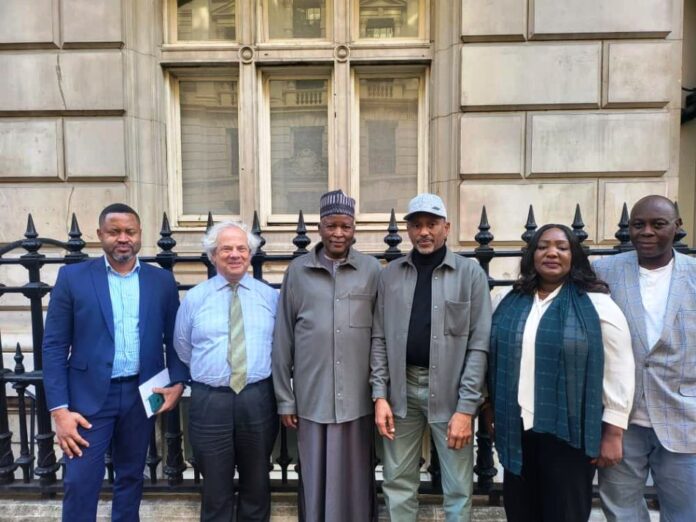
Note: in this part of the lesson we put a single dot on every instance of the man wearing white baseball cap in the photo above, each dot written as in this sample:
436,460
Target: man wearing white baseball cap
429,371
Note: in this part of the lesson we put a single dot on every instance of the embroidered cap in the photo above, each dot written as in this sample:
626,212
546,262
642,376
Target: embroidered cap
428,203
336,202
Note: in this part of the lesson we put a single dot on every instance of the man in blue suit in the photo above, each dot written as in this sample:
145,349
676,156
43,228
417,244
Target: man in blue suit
107,323
655,287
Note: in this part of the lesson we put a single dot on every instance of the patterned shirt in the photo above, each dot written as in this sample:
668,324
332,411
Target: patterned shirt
124,290
202,323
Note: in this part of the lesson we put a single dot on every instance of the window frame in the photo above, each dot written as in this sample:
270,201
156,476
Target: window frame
264,77
295,58
263,29
400,71
422,36
171,31
174,146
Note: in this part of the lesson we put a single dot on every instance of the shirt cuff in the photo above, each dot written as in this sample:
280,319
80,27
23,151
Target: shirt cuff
615,418
378,393
59,407
287,409
469,407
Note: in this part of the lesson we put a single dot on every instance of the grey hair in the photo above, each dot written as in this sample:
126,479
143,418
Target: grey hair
210,240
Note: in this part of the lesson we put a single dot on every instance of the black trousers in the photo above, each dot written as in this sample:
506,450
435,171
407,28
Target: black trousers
555,484
227,431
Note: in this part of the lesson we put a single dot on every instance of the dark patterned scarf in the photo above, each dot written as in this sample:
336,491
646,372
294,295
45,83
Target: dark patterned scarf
569,359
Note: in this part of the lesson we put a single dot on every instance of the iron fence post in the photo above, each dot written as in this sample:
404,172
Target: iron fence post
484,468
35,290
174,463
7,462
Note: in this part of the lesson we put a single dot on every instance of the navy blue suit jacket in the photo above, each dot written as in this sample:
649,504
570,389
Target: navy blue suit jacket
78,345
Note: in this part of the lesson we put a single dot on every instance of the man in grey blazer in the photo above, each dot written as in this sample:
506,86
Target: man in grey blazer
430,337
655,287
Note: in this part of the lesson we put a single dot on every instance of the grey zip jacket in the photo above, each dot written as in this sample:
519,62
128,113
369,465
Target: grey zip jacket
460,331
321,343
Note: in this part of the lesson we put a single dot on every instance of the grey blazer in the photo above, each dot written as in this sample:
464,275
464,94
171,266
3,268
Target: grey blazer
665,372
461,328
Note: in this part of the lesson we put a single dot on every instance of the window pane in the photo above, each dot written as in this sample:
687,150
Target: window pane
388,143
299,145
200,20
209,147
296,19
395,19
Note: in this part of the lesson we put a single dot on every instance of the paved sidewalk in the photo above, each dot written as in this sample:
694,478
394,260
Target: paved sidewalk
178,507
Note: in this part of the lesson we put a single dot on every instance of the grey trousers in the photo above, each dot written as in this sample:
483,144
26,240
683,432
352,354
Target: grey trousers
621,487
402,456
337,479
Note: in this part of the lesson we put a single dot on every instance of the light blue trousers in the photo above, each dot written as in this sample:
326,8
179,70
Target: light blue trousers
402,455
621,487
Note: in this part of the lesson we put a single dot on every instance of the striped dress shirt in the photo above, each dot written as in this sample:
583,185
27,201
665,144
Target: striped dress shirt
124,291
202,323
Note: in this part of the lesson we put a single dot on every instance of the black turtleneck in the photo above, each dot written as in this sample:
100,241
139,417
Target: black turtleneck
418,342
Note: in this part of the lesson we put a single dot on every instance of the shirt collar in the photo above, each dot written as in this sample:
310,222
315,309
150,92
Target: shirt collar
220,282
110,269
313,258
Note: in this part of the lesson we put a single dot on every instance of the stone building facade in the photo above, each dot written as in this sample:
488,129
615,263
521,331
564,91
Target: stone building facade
185,106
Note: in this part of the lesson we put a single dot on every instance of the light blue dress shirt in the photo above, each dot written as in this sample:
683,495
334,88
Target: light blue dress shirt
124,291
200,334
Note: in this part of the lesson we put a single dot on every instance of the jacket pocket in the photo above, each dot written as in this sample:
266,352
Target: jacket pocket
687,321
360,310
457,318
687,390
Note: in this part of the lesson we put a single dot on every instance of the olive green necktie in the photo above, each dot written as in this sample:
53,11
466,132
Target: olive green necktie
236,347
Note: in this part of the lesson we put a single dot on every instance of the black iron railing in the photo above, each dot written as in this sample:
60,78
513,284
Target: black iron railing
36,468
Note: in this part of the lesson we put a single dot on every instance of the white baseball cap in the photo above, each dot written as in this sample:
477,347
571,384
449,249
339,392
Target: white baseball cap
428,203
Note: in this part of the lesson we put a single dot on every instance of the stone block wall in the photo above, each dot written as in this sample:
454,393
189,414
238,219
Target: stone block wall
77,127
546,94
62,105
566,102
81,113
550,102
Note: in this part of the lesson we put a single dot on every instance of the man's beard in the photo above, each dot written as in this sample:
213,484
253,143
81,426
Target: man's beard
122,258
